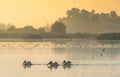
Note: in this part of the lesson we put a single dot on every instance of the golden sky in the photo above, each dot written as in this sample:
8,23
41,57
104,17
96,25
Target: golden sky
40,12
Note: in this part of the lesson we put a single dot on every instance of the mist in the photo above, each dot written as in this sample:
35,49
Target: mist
83,21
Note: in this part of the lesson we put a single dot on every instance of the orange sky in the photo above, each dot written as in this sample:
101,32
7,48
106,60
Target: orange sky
40,12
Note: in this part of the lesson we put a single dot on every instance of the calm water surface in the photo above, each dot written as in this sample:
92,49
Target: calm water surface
85,54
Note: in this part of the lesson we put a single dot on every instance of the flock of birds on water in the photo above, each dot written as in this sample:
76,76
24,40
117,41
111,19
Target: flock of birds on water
51,64
59,44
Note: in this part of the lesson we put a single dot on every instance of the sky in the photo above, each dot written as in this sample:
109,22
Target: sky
44,12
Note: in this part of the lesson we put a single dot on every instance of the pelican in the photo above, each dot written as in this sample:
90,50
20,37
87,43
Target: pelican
66,64
27,64
51,64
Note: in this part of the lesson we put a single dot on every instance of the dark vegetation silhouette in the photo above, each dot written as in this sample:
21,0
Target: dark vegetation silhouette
109,36
83,21
58,27
76,24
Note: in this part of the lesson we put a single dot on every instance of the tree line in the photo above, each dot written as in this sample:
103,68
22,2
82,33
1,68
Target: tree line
57,30
76,24
57,27
83,21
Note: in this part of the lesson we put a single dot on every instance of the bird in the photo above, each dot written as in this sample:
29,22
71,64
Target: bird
27,64
101,54
103,49
66,64
52,64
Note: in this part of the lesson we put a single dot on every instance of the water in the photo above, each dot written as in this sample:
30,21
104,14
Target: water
85,56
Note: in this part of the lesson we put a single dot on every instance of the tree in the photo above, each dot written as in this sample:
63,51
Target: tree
41,30
29,28
93,12
113,14
73,12
85,14
58,27
2,27
11,27
91,22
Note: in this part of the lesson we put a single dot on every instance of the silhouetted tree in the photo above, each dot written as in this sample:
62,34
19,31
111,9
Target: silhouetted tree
73,12
113,14
41,30
2,27
29,28
11,27
58,27
79,22
93,11
90,22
